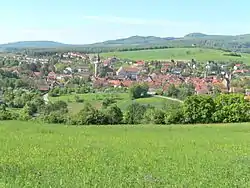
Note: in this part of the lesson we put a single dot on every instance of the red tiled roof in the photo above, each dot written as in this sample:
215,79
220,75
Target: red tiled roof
140,62
131,69
37,73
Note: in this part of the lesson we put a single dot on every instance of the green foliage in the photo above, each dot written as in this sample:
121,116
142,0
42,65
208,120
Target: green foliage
90,116
172,91
154,116
174,114
134,113
4,113
198,109
78,99
181,92
55,117
138,91
107,101
25,113
114,115
231,108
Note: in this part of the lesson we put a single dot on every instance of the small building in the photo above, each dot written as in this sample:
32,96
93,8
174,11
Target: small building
128,72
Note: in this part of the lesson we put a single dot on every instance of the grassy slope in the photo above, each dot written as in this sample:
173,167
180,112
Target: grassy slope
35,155
122,101
178,54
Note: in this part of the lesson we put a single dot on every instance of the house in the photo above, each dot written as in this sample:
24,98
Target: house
139,63
51,76
67,70
83,68
128,72
37,74
202,89
43,89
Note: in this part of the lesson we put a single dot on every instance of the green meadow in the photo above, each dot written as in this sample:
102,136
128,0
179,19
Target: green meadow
40,155
122,100
198,54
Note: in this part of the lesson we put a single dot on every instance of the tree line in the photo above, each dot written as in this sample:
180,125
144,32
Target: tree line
196,109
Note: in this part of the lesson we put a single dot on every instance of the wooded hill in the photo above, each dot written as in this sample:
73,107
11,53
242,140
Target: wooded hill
238,43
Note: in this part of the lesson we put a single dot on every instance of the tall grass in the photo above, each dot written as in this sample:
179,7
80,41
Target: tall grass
34,155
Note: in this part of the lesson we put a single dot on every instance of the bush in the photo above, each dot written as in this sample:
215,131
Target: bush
5,115
198,109
78,99
114,115
90,116
134,113
107,101
138,90
55,117
155,116
174,117
231,109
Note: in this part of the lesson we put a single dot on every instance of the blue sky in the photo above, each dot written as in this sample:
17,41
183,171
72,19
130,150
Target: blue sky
86,21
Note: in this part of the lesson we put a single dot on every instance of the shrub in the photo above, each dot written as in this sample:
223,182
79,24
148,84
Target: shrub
231,108
114,115
155,116
198,109
134,113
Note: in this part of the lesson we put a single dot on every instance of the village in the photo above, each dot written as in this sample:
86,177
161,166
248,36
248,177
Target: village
206,77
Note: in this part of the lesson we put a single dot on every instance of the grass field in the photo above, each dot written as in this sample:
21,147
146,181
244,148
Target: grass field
121,99
34,155
178,54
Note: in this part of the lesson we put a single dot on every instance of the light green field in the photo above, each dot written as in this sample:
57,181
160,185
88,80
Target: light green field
34,155
198,54
121,99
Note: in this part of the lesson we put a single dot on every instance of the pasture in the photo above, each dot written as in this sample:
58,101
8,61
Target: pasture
122,100
40,155
198,54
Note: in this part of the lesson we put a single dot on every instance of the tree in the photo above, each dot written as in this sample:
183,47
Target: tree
90,116
231,108
138,90
4,113
174,113
172,91
107,101
185,90
114,115
25,113
55,117
134,113
154,115
60,106
198,109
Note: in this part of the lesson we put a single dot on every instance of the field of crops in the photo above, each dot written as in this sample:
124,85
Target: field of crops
36,155
179,54
121,99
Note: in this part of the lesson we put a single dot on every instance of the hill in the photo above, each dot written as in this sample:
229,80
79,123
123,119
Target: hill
136,40
33,44
239,43
198,54
40,155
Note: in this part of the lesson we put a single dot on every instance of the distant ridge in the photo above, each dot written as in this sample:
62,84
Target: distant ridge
33,44
239,43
